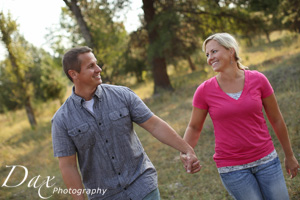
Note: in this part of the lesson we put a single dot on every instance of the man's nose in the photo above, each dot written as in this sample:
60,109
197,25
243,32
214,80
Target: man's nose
99,68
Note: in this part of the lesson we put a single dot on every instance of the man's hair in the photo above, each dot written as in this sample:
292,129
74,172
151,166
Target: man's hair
228,41
70,60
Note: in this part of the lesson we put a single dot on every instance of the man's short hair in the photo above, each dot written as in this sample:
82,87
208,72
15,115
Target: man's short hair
70,60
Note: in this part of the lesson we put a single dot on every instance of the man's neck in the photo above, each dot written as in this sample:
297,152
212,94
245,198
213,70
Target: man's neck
86,93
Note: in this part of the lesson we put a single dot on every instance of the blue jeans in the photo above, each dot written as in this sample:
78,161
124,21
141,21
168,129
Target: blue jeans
265,181
154,195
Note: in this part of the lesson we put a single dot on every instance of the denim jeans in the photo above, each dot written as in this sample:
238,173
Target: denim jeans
154,195
265,181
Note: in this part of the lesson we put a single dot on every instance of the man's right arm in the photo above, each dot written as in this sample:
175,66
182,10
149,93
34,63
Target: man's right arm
70,174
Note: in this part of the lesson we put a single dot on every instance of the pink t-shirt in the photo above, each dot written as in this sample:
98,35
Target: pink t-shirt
241,133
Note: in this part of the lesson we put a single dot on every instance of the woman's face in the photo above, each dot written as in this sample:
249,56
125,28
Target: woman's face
217,56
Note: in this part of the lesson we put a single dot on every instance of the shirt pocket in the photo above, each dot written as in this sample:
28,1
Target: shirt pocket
120,119
119,114
82,136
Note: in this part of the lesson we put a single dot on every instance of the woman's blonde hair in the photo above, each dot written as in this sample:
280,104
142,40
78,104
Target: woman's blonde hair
227,41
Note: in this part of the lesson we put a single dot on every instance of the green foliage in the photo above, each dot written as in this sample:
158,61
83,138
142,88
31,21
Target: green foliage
135,56
177,37
181,26
33,148
109,37
34,73
267,6
47,77
274,14
290,12
136,66
6,87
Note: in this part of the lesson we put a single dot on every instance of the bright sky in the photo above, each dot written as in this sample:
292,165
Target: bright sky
35,16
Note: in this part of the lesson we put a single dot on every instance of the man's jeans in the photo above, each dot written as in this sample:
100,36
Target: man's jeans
154,195
265,181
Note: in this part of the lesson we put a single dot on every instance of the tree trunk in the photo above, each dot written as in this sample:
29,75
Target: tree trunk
267,36
249,43
30,113
159,66
161,78
192,66
86,34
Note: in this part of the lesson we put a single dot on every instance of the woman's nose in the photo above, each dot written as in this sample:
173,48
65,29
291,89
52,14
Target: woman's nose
209,58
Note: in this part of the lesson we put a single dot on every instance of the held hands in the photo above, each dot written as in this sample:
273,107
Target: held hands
291,166
190,162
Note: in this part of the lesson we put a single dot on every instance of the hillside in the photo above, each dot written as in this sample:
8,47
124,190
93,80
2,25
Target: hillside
278,60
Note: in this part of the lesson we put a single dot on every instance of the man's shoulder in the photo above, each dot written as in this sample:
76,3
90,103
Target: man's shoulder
113,87
116,89
63,110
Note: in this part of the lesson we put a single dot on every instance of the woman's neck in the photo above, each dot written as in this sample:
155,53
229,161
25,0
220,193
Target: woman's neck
230,74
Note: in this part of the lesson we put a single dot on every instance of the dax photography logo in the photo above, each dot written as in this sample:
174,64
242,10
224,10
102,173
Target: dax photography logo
38,183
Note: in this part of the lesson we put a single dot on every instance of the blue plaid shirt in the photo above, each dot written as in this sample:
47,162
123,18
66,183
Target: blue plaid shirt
110,155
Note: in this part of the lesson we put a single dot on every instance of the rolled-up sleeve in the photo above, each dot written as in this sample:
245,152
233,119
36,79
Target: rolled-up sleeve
139,111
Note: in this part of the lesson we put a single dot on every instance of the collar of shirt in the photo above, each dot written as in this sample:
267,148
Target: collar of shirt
79,100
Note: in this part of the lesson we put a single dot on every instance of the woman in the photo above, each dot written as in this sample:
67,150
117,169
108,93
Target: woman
244,152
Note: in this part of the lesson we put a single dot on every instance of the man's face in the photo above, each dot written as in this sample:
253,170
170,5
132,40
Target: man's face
90,72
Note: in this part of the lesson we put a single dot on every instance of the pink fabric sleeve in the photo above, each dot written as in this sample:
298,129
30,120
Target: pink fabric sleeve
266,88
199,98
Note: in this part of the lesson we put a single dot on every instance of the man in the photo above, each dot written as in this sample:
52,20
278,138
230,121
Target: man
95,123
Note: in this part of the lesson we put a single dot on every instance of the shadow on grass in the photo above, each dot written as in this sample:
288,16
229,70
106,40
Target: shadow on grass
29,135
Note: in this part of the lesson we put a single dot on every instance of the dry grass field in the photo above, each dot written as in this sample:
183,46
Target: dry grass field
278,60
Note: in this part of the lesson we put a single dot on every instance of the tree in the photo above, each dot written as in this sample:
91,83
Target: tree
267,14
91,23
46,76
179,38
74,8
8,27
156,58
28,73
290,10
136,54
175,29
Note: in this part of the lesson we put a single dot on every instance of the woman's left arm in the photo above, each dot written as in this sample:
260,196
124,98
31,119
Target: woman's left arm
279,127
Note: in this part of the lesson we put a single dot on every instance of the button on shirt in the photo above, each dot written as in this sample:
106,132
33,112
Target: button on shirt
110,155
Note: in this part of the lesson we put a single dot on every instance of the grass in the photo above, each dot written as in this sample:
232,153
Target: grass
278,60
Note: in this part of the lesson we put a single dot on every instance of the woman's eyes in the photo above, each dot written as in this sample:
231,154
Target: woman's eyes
213,51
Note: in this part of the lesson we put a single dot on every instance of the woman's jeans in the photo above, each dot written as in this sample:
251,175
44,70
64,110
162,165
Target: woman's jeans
265,181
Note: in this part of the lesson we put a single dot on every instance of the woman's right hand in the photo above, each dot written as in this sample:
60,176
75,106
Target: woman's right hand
196,167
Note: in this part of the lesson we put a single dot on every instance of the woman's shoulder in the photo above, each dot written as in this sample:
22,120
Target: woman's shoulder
206,84
254,73
209,81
